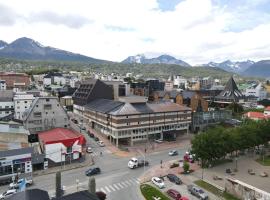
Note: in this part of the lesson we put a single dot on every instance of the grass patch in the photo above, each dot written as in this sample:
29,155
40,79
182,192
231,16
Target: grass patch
148,192
265,162
214,190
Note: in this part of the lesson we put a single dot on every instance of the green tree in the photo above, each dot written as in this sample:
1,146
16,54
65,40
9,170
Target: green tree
186,167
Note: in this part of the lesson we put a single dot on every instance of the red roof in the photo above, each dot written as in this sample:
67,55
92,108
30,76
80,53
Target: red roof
61,135
267,108
257,115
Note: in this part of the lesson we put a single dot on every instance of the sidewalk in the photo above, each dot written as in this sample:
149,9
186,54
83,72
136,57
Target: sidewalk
88,161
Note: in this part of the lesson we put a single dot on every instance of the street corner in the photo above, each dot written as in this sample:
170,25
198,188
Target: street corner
124,154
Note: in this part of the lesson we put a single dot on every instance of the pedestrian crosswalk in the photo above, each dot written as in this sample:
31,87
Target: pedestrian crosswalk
105,151
119,186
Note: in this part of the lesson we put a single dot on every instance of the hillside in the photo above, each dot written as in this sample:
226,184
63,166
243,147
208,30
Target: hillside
147,70
259,69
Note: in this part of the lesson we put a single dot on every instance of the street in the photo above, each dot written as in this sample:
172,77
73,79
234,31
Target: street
116,179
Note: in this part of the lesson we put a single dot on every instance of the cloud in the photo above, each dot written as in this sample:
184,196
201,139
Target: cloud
119,28
72,21
7,16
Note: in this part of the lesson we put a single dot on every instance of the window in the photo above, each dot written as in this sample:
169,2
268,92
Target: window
7,112
37,114
25,106
47,100
37,106
126,116
47,106
18,107
25,101
18,101
128,123
69,149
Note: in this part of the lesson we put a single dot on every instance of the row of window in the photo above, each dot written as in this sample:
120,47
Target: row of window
6,107
4,112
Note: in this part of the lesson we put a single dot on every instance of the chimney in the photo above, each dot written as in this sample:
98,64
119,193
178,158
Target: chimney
58,191
92,185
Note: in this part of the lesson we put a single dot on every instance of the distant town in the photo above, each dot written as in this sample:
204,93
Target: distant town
170,138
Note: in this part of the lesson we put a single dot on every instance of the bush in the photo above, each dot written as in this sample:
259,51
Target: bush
149,192
173,165
186,167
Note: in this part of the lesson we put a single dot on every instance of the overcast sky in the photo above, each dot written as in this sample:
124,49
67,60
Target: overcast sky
196,31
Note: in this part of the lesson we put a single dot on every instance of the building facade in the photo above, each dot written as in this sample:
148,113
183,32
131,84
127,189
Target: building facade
45,113
127,123
6,103
16,162
257,91
15,80
3,85
22,102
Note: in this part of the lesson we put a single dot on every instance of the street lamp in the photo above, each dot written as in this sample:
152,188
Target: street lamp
236,165
77,182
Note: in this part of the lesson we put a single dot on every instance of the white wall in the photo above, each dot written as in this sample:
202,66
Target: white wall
47,81
6,104
22,102
59,80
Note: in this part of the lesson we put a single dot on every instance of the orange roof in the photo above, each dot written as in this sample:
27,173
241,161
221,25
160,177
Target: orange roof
267,108
256,115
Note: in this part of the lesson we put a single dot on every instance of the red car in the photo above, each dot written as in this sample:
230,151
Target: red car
176,195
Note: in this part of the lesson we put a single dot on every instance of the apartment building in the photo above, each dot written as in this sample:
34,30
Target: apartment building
128,123
45,113
3,85
15,80
6,103
22,102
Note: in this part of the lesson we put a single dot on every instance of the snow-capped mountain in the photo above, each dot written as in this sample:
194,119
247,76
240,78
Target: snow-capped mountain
259,69
236,67
29,49
163,59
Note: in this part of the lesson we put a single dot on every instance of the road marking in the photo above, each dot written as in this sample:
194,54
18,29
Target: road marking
107,189
127,182
110,186
120,185
102,190
136,181
114,185
124,184
131,182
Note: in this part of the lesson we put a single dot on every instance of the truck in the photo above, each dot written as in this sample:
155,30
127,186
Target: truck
135,163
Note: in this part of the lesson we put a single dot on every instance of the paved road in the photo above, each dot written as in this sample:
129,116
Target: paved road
116,179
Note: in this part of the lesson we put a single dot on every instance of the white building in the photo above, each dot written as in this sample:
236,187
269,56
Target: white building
6,103
168,85
22,102
256,90
180,81
3,85
54,78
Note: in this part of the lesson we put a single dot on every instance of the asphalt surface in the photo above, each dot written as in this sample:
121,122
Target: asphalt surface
116,179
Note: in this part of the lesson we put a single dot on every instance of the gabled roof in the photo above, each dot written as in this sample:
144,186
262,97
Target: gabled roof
32,194
267,108
231,91
103,105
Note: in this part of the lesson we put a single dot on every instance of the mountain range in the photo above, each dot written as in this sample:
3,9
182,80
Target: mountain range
28,49
163,59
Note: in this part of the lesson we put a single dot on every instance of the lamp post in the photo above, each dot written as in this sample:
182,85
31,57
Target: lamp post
18,171
236,165
77,182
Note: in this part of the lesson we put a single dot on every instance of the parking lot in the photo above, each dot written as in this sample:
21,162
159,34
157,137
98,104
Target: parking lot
182,189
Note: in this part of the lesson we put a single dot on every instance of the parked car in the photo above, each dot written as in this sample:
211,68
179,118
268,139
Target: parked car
92,171
158,182
96,138
15,185
173,153
83,128
7,193
175,179
90,134
159,141
75,121
101,144
174,194
89,150
198,192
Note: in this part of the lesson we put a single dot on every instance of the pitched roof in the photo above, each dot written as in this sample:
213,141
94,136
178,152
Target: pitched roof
32,194
14,152
60,135
256,115
103,105
267,108
231,91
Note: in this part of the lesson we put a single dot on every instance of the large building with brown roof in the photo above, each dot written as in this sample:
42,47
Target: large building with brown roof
15,80
127,123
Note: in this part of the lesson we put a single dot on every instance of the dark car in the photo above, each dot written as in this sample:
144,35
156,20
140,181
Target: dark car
91,135
174,194
96,138
92,171
75,121
175,179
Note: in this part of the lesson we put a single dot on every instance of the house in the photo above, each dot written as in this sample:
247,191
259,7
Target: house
89,90
257,90
120,89
258,115
45,113
267,111
15,80
146,88
54,78
127,123
6,103
61,145
22,102
3,85
14,162
67,102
